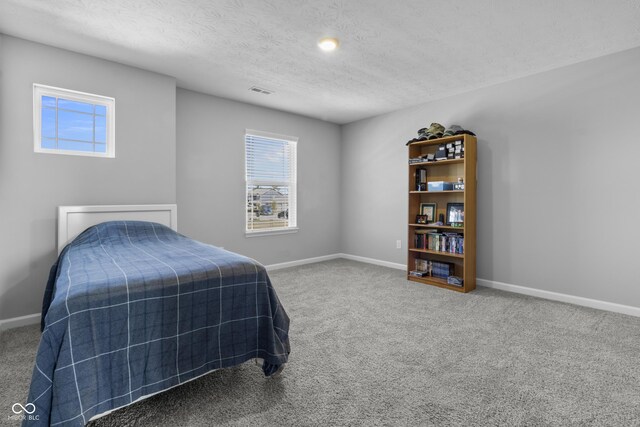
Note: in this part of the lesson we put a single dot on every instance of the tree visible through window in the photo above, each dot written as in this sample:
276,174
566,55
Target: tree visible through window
70,122
271,182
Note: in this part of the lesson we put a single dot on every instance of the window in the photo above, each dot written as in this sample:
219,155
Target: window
271,175
70,122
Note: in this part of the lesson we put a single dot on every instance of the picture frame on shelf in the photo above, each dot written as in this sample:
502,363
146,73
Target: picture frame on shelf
428,210
455,214
421,219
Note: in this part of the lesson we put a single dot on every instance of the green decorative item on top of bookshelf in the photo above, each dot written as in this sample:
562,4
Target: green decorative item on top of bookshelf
428,210
455,214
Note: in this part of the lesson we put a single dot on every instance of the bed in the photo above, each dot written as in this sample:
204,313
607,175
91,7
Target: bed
133,308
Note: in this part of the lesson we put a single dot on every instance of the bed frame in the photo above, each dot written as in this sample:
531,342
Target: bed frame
73,220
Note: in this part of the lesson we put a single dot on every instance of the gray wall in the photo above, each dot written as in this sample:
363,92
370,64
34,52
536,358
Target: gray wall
557,165
211,192
557,181
33,185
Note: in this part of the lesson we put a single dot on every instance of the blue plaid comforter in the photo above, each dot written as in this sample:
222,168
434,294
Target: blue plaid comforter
133,308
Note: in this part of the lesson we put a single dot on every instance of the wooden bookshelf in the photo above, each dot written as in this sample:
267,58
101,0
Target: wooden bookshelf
449,171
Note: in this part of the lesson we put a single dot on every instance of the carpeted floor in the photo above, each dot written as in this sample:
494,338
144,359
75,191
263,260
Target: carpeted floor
370,348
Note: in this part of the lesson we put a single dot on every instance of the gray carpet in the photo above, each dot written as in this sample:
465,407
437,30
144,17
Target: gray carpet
370,348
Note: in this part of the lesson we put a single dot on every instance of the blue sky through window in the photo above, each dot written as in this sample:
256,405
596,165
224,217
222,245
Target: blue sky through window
73,125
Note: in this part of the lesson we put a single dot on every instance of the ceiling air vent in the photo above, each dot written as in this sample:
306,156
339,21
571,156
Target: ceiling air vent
260,90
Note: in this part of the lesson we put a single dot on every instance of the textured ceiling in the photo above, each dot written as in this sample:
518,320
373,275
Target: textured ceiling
393,53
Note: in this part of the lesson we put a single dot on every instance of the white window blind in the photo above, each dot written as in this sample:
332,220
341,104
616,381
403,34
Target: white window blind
271,174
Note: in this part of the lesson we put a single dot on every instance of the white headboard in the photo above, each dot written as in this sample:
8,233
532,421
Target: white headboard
73,220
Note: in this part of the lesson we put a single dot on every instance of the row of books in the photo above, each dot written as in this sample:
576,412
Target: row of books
451,150
441,242
430,268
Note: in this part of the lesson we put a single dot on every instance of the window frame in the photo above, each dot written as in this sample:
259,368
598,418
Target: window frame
40,90
292,185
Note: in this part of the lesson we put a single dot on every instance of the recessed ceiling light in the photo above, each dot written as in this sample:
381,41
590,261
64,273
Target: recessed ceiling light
328,44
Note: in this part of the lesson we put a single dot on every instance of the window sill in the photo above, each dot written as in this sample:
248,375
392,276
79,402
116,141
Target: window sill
271,232
107,155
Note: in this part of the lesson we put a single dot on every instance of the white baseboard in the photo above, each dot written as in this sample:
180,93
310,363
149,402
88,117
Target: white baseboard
374,261
16,322
335,256
556,296
288,264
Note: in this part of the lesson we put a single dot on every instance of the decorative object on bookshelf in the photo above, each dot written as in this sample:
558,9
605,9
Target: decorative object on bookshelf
454,280
428,210
436,130
418,273
440,186
423,265
455,214
451,130
421,219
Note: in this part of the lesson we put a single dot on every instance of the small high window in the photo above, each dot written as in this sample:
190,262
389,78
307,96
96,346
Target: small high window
71,122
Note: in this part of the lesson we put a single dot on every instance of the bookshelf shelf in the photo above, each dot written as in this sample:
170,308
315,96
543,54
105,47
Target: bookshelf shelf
447,254
439,162
438,227
461,265
439,141
436,192
435,281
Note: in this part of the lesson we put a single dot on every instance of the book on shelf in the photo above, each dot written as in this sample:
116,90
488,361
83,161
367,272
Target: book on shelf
457,150
421,179
442,270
